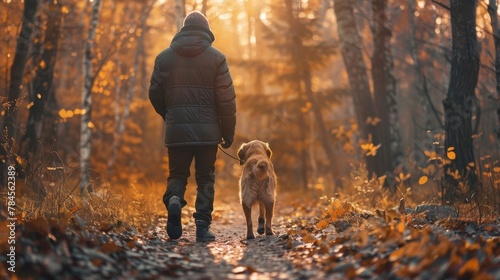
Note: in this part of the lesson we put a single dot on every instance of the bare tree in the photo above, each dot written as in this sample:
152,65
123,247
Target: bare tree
493,11
304,69
421,81
384,86
42,83
24,43
204,7
460,99
180,12
352,55
85,123
120,124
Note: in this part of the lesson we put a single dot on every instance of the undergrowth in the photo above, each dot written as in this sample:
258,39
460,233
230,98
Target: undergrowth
52,192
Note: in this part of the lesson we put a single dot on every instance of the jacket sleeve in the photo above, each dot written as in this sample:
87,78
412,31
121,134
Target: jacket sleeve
226,99
156,92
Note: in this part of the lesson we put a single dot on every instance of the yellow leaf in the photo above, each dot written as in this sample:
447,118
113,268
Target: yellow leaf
62,114
450,149
423,180
401,176
496,169
373,150
381,179
367,146
451,155
42,64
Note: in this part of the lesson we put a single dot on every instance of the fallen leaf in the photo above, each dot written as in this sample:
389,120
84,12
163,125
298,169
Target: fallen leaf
470,267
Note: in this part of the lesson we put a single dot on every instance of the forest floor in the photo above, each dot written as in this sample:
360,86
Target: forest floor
324,239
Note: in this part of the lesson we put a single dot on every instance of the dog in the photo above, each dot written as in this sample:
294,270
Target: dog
257,185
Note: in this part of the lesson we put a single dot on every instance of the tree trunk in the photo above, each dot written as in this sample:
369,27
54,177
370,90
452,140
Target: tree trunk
384,85
204,7
85,123
303,153
350,48
24,42
120,124
493,11
323,131
421,86
42,84
460,99
303,68
180,12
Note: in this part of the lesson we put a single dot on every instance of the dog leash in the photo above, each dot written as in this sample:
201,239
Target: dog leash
233,157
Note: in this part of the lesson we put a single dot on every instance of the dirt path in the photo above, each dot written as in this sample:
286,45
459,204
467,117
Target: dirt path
46,250
317,241
231,256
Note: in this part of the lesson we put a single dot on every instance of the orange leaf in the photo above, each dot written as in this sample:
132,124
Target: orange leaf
423,180
322,224
396,255
470,267
309,238
451,155
110,248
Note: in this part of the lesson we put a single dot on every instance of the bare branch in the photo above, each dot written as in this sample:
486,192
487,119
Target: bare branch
441,5
428,97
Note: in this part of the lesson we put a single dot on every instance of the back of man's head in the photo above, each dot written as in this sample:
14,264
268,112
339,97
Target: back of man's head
196,18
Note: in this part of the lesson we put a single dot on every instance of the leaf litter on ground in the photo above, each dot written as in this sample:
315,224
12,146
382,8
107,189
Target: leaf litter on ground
315,239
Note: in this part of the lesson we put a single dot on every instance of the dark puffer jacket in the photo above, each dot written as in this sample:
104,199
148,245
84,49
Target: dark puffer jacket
192,89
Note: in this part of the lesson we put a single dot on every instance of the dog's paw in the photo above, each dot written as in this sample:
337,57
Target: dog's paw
269,232
260,230
250,236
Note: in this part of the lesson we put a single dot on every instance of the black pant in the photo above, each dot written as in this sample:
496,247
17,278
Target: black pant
179,161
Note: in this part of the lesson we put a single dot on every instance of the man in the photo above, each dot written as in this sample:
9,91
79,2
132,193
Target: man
192,90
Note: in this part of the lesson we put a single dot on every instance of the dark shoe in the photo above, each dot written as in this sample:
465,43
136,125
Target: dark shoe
174,226
203,233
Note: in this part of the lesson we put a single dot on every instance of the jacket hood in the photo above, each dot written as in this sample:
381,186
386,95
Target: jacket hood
192,40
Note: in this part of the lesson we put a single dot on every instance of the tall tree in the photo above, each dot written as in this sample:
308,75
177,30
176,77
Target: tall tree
384,87
24,42
204,7
120,124
352,55
493,11
180,12
85,122
42,83
460,97
420,79
302,59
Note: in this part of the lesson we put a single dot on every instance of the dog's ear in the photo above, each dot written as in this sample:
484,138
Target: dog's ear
241,153
268,151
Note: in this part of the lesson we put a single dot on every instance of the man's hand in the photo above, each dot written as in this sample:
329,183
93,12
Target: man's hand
227,143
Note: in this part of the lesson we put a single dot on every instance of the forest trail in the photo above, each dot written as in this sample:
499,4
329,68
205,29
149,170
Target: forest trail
314,239
231,256
125,252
